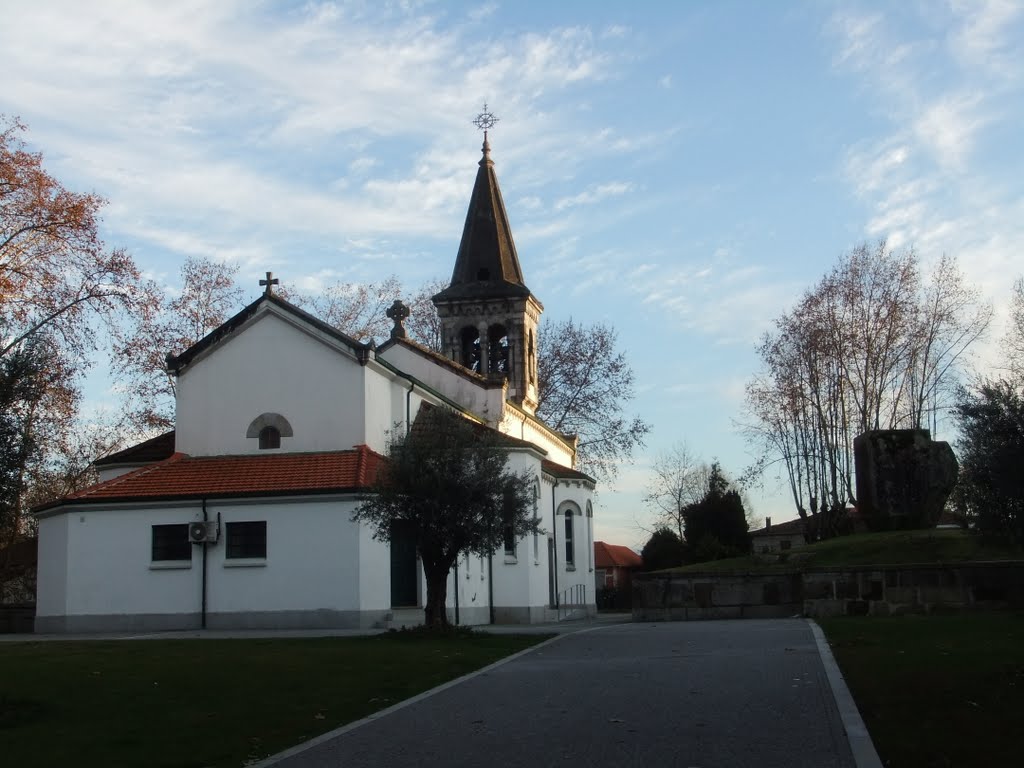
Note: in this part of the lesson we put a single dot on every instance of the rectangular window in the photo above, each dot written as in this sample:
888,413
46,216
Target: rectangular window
246,540
785,544
570,553
170,542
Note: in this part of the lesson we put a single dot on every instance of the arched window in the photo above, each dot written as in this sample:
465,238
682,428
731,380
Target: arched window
531,361
497,349
269,428
536,514
570,549
270,437
508,527
470,348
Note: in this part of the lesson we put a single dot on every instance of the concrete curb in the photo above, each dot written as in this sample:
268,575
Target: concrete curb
864,754
317,740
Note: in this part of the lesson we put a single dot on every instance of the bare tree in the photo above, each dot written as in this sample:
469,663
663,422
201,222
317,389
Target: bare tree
207,297
680,480
59,284
584,384
869,347
56,276
1013,343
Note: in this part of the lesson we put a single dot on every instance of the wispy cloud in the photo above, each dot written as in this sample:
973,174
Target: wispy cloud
594,194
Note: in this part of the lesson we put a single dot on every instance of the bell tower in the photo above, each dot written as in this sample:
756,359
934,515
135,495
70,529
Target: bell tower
488,316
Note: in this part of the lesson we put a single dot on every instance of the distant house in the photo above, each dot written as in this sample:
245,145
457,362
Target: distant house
777,538
614,565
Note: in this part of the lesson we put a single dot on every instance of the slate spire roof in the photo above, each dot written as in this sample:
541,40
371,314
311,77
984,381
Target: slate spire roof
487,265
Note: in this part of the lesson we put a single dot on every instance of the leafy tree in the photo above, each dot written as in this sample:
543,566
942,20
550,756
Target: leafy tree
171,323
22,386
990,491
448,484
584,384
665,549
871,346
716,526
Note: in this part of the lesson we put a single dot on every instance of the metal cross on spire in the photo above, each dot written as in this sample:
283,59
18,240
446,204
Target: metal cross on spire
485,121
270,282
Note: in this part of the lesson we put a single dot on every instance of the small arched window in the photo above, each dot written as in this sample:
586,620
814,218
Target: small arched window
269,428
531,361
270,437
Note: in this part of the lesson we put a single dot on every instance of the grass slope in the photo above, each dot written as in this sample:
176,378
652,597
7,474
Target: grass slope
936,691
891,548
181,703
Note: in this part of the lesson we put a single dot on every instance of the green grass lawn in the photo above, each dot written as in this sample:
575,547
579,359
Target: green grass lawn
161,703
891,548
936,691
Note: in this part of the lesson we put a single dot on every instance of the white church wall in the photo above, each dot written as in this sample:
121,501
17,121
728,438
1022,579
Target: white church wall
109,579
320,570
469,394
470,582
318,389
518,578
575,579
374,567
311,574
52,570
109,473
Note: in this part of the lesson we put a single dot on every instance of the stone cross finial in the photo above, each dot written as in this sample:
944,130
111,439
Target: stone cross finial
270,282
398,312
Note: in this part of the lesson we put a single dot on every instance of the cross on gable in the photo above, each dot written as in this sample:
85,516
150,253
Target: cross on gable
270,282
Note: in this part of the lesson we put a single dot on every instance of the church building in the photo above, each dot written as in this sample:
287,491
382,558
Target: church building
241,517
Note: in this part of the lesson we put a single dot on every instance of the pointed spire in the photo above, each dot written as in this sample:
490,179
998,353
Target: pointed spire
487,264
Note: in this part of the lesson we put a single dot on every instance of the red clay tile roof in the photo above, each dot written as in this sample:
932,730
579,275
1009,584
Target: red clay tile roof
615,555
183,477
564,472
154,449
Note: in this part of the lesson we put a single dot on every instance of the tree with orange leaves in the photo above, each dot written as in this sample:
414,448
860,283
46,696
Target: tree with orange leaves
58,284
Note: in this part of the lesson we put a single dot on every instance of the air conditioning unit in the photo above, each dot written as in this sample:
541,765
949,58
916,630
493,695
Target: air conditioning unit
202,531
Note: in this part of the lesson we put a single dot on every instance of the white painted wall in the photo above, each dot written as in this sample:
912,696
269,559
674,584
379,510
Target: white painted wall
270,366
475,397
575,495
52,571
96,562
312,560
109,566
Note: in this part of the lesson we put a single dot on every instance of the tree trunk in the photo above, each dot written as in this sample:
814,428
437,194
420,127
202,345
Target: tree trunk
436,613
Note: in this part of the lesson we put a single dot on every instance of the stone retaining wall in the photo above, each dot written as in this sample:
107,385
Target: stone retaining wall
819,592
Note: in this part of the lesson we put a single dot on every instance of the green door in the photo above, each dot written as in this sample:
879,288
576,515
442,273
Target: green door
404,584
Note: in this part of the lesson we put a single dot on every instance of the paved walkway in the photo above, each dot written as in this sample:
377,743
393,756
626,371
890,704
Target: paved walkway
722,693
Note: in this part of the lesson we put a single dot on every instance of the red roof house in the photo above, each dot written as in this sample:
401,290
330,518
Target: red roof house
614,566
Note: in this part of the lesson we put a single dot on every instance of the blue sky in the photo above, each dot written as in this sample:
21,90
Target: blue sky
680,170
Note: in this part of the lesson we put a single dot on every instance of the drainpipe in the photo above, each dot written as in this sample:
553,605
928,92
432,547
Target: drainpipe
205,545
554,538
490,587
456,590
408,407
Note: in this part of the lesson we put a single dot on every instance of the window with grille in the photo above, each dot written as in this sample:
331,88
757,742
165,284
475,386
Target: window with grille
246,540
170,542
